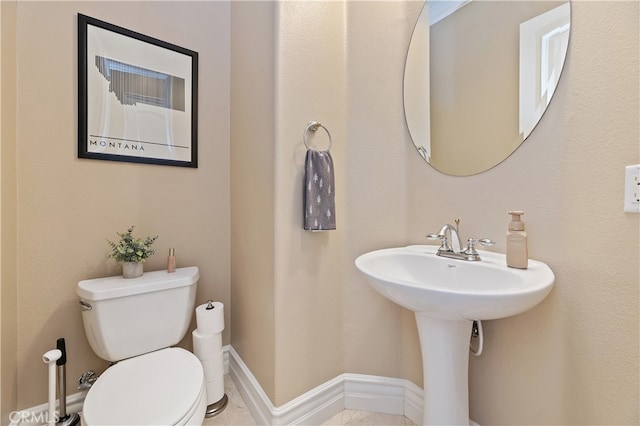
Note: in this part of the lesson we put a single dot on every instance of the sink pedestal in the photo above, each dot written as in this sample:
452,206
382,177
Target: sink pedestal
445,366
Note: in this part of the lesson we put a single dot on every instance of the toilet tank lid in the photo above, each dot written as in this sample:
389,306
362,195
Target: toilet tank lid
114,287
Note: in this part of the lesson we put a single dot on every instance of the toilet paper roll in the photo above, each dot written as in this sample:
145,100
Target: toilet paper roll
215,391
213,367
206,345
210,321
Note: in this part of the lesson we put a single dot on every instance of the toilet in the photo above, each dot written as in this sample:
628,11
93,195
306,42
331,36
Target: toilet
134,323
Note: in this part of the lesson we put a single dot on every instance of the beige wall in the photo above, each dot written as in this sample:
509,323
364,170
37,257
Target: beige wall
575,358
301,312
8,305
380,337
253,188
67,207
311,86
285,285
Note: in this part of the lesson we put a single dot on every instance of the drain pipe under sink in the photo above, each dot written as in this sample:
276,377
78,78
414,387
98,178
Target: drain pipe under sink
476,333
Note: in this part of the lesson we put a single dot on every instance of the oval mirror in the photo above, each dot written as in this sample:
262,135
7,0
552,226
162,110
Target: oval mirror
478,77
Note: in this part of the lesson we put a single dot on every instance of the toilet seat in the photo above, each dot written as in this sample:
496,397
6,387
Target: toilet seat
164,387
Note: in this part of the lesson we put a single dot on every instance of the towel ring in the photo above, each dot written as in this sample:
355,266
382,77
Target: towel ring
313,127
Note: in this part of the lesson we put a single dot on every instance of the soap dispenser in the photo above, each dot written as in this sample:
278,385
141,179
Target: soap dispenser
517,255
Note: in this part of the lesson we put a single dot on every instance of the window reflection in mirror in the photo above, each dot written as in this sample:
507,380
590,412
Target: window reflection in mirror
479,75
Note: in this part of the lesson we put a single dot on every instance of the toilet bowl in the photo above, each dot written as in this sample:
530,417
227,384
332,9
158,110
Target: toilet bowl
164,387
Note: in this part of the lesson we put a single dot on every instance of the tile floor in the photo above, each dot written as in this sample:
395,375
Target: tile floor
357,417
237,414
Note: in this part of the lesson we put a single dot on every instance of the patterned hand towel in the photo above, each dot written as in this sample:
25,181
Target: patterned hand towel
319,192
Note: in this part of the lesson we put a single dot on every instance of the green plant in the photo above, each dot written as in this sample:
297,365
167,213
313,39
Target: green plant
131,249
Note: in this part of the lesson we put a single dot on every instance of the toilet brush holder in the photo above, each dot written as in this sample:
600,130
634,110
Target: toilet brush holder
217,407
64,418
50,358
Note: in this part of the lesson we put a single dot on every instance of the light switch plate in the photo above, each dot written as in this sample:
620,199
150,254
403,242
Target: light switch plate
632,189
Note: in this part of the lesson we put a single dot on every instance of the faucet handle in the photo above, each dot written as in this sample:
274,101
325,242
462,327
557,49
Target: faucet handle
470,252
444,243
471,242
487,242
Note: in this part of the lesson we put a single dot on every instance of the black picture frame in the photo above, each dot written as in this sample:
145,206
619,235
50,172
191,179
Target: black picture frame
137,97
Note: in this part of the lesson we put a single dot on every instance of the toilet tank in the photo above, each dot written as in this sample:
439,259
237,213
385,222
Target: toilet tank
129,317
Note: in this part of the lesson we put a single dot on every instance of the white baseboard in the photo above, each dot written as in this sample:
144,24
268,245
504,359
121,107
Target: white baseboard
38,415
347,391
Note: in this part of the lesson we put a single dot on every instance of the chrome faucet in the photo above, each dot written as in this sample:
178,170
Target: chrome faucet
454,238
454,250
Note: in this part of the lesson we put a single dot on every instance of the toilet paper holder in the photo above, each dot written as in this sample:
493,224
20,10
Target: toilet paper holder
217,407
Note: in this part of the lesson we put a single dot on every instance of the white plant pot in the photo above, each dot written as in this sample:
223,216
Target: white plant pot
132,269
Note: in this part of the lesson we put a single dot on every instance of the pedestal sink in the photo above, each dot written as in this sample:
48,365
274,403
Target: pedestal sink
447,295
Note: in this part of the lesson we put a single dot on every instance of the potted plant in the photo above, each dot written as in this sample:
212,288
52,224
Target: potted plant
131,252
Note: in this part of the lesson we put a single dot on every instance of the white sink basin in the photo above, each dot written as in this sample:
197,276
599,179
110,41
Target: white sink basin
415,278
446,296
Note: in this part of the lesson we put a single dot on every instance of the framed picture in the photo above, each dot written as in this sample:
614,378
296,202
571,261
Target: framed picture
137,97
